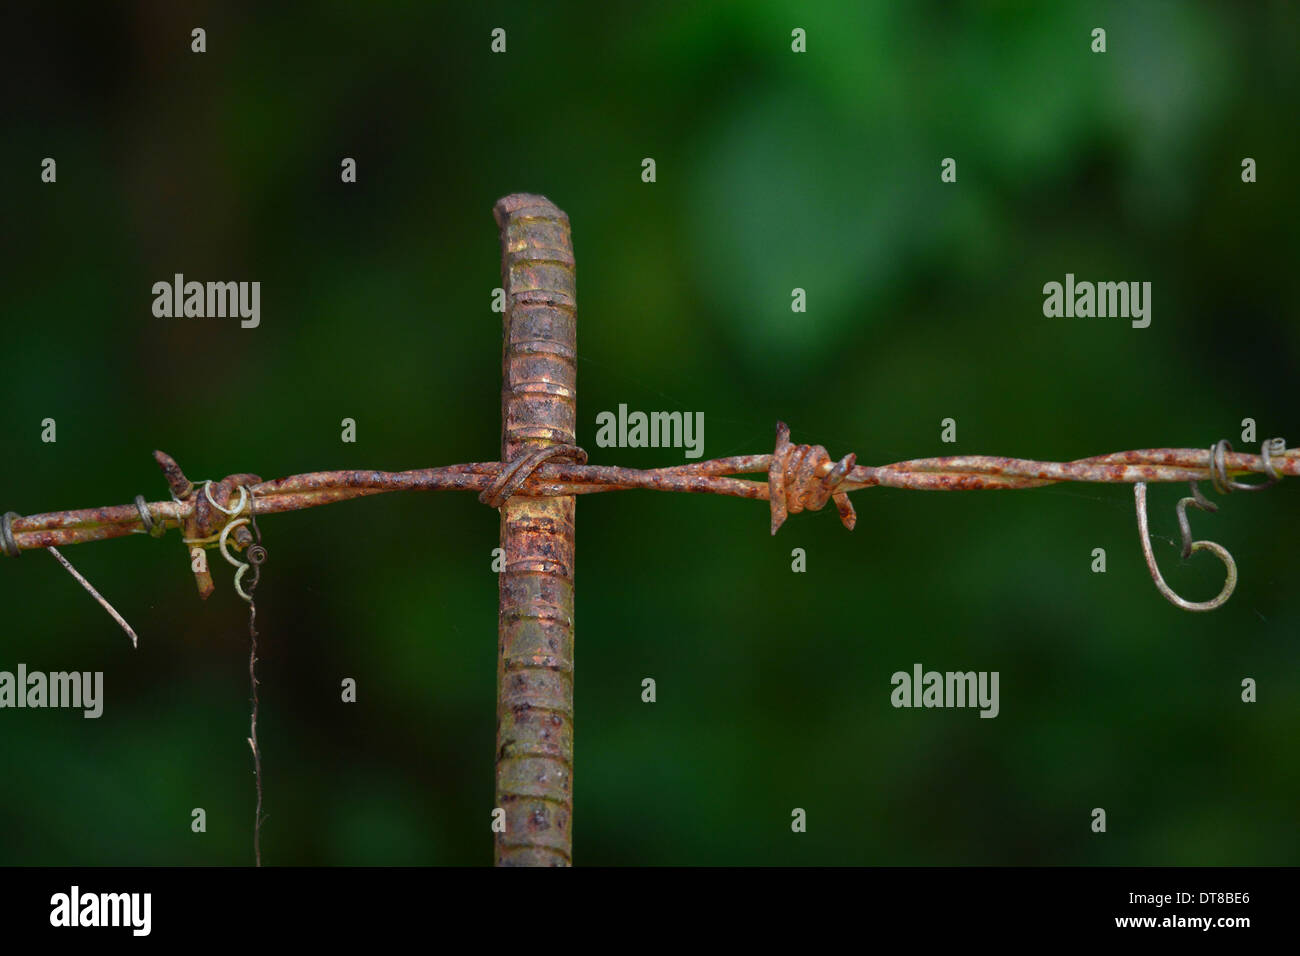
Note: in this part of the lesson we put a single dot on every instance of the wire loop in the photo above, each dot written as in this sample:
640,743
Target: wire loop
154,528
1265,452
256,553
1219,469
243,500
241,566
514,475
7,540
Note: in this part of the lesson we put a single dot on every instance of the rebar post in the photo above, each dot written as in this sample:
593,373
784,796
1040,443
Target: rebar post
534,770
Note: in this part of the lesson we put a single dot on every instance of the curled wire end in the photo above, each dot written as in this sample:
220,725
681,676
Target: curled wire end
1223,484
806,477
256,553
240,566
1197,500
1190,547
232,512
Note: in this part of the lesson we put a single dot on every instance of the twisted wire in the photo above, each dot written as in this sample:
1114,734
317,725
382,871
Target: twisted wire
799,478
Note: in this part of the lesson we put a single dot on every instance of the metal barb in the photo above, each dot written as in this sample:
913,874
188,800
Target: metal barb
805,477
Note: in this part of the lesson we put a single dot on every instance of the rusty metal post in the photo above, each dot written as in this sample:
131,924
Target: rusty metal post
535,626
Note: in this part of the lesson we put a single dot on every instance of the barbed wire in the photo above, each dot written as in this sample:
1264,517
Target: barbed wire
799,478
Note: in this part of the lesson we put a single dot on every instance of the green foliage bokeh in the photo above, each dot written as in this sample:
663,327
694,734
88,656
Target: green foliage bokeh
775,170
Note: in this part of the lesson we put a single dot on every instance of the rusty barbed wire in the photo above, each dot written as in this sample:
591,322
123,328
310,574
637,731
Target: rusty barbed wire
801,482
800,477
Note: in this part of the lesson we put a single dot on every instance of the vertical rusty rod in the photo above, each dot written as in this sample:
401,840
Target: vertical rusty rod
534,768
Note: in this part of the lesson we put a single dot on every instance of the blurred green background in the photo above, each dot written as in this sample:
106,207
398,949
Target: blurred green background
775,170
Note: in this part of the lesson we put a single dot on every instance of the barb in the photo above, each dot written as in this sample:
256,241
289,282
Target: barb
800,477
803,476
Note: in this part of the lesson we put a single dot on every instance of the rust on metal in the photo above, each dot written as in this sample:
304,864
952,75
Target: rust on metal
559,479
534,774
803,476
207,513
181,487
534,487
